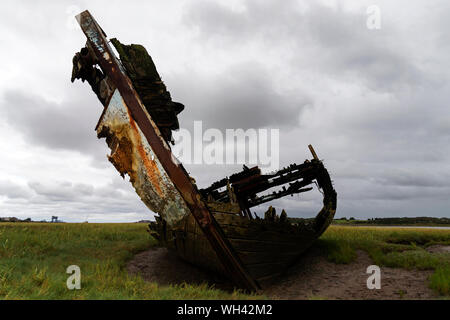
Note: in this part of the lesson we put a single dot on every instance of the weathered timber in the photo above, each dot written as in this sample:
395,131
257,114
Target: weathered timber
151,89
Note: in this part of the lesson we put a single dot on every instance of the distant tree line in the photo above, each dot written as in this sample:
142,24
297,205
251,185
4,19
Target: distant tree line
395,221
14,219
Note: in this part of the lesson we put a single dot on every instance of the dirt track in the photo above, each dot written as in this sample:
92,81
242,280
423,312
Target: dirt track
313,277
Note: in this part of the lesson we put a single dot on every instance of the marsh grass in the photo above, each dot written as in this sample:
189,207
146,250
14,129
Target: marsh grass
440,280
34,258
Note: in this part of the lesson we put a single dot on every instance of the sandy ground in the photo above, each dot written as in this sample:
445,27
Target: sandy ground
313,277
164,267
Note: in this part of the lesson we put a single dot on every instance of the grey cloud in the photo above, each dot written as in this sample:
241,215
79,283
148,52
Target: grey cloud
331,40
415,179
13,190
65,126
406,193
62,191
77,201
256,20
243,97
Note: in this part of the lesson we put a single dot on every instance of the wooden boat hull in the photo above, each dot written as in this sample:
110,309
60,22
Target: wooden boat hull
266,248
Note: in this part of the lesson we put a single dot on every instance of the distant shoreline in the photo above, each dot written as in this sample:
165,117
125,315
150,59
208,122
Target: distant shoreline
439,226
395,222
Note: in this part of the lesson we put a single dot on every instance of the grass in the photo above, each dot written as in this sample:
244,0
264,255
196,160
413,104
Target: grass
392,247
34,258
440,280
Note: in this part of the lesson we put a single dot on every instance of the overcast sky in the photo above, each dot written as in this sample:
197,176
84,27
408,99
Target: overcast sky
374,103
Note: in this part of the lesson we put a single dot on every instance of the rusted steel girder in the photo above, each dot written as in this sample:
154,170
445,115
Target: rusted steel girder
113,70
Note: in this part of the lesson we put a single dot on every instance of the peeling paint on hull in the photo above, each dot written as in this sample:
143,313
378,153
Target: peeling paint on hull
131,154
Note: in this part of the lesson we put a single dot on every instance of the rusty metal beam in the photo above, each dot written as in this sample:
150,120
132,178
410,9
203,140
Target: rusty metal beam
178,175
313,152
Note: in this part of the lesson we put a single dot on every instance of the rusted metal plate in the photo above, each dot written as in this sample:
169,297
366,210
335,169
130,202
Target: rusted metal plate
132,154
175,172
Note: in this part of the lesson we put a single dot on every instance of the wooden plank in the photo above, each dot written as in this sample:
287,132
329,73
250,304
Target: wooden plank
262,246
253,232
222,207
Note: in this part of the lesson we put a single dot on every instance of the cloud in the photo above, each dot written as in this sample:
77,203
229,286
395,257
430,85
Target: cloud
333,40
245,96
13,190
114,201
67,126
62,191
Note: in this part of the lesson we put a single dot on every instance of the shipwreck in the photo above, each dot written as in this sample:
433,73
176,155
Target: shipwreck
212,227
